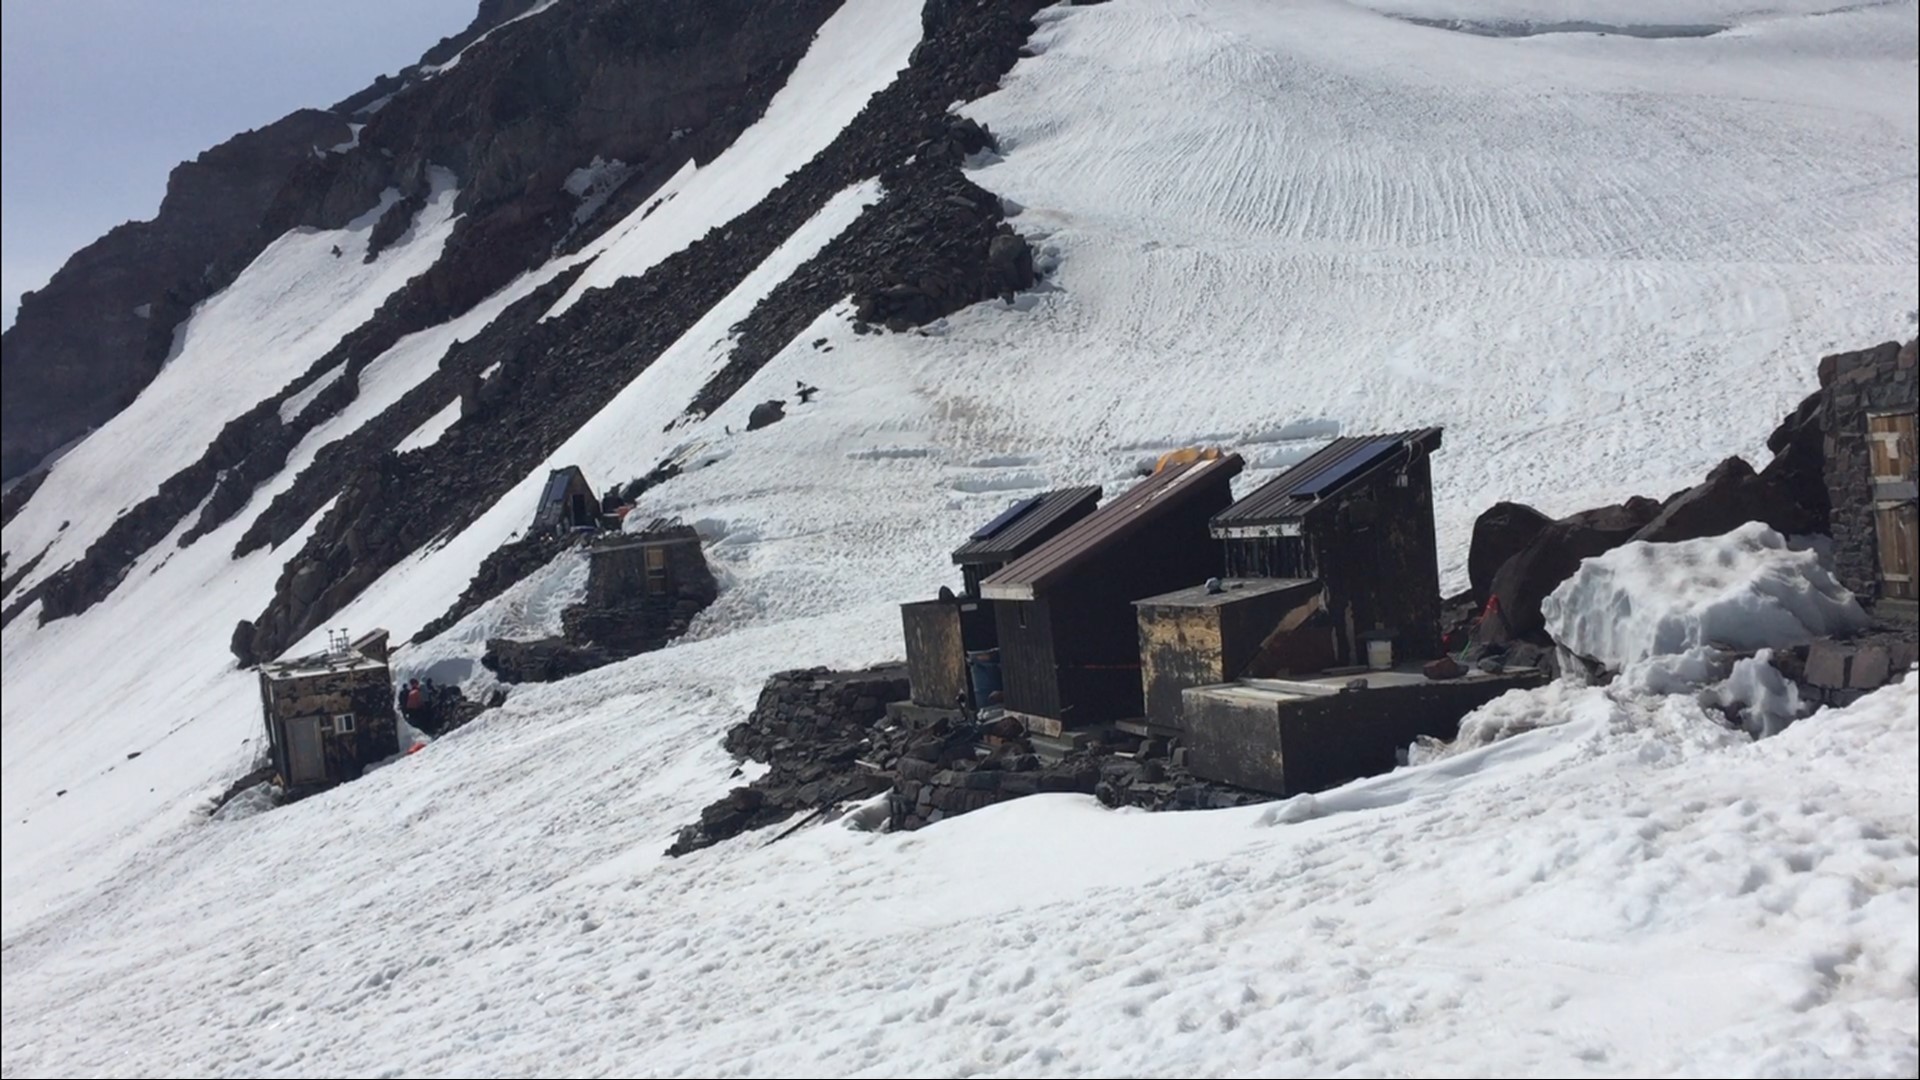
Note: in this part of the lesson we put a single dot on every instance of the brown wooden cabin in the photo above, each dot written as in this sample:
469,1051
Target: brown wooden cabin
941,632
1069,652
566,503
1338,548
329,716
1357,517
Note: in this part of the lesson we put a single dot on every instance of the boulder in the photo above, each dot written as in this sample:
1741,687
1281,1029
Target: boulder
1010,258
1502,531
242,643
1551,558
1732,495
1798,469
765,414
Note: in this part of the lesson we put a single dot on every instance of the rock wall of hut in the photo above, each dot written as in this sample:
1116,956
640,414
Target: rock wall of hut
1884,378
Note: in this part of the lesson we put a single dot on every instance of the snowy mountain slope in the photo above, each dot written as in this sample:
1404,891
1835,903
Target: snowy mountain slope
1634,893
285,311
1603,262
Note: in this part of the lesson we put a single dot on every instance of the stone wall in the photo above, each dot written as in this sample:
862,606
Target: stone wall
812,727
1882,378
829,737
625,612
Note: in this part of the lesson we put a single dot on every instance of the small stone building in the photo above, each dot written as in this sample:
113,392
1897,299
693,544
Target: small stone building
643,589
329,716
940,633
1868,419
566,503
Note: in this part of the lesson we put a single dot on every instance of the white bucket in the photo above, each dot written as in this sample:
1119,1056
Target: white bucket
1380,655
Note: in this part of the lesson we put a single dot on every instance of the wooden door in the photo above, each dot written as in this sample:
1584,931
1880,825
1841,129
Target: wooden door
1898,527
306,751
1890,442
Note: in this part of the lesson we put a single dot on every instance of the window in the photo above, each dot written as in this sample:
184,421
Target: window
656,569
343,724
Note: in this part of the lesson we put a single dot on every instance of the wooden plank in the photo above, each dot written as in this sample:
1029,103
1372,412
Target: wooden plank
1890,438
1897,529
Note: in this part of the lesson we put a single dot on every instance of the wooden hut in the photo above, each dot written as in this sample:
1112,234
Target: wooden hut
1357,517
329,716
940,633
566,503
1069,652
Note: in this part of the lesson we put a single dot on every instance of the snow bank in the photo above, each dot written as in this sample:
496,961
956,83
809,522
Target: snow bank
1749,589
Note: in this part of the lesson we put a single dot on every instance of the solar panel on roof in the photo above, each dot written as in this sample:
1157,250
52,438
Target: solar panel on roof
1337,471
1006,518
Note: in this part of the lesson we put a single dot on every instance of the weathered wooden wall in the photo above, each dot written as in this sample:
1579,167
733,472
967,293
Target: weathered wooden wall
1183,646
1029,676
936,655
1380,563
1095,632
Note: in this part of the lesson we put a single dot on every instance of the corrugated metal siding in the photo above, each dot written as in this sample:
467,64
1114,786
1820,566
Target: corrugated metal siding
1046,518
1055,560
1290,495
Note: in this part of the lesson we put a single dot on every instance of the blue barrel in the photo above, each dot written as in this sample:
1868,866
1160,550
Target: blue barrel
983,669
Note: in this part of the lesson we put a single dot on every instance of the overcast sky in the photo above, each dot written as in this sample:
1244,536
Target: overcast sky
102,97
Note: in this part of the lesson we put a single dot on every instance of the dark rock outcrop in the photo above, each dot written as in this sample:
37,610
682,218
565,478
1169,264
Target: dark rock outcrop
1732,495
532,101
1798,469
563,370
828,739
544,660
1791,495
1553,555
1502,531
811,727
84,345
766,414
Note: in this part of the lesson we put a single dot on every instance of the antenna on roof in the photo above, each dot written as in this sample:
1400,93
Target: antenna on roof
337,641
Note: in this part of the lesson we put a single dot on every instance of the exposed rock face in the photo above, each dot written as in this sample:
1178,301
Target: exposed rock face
811,726
82,347
613,80
563,370
1790,496
827,739
766,414
1732,495
1553,555
88,343
1502,531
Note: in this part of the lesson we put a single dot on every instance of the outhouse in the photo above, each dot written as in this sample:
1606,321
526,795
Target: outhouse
1069,651
942,633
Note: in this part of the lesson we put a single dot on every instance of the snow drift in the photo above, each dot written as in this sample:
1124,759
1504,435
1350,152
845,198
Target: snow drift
1750,589
1263,225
